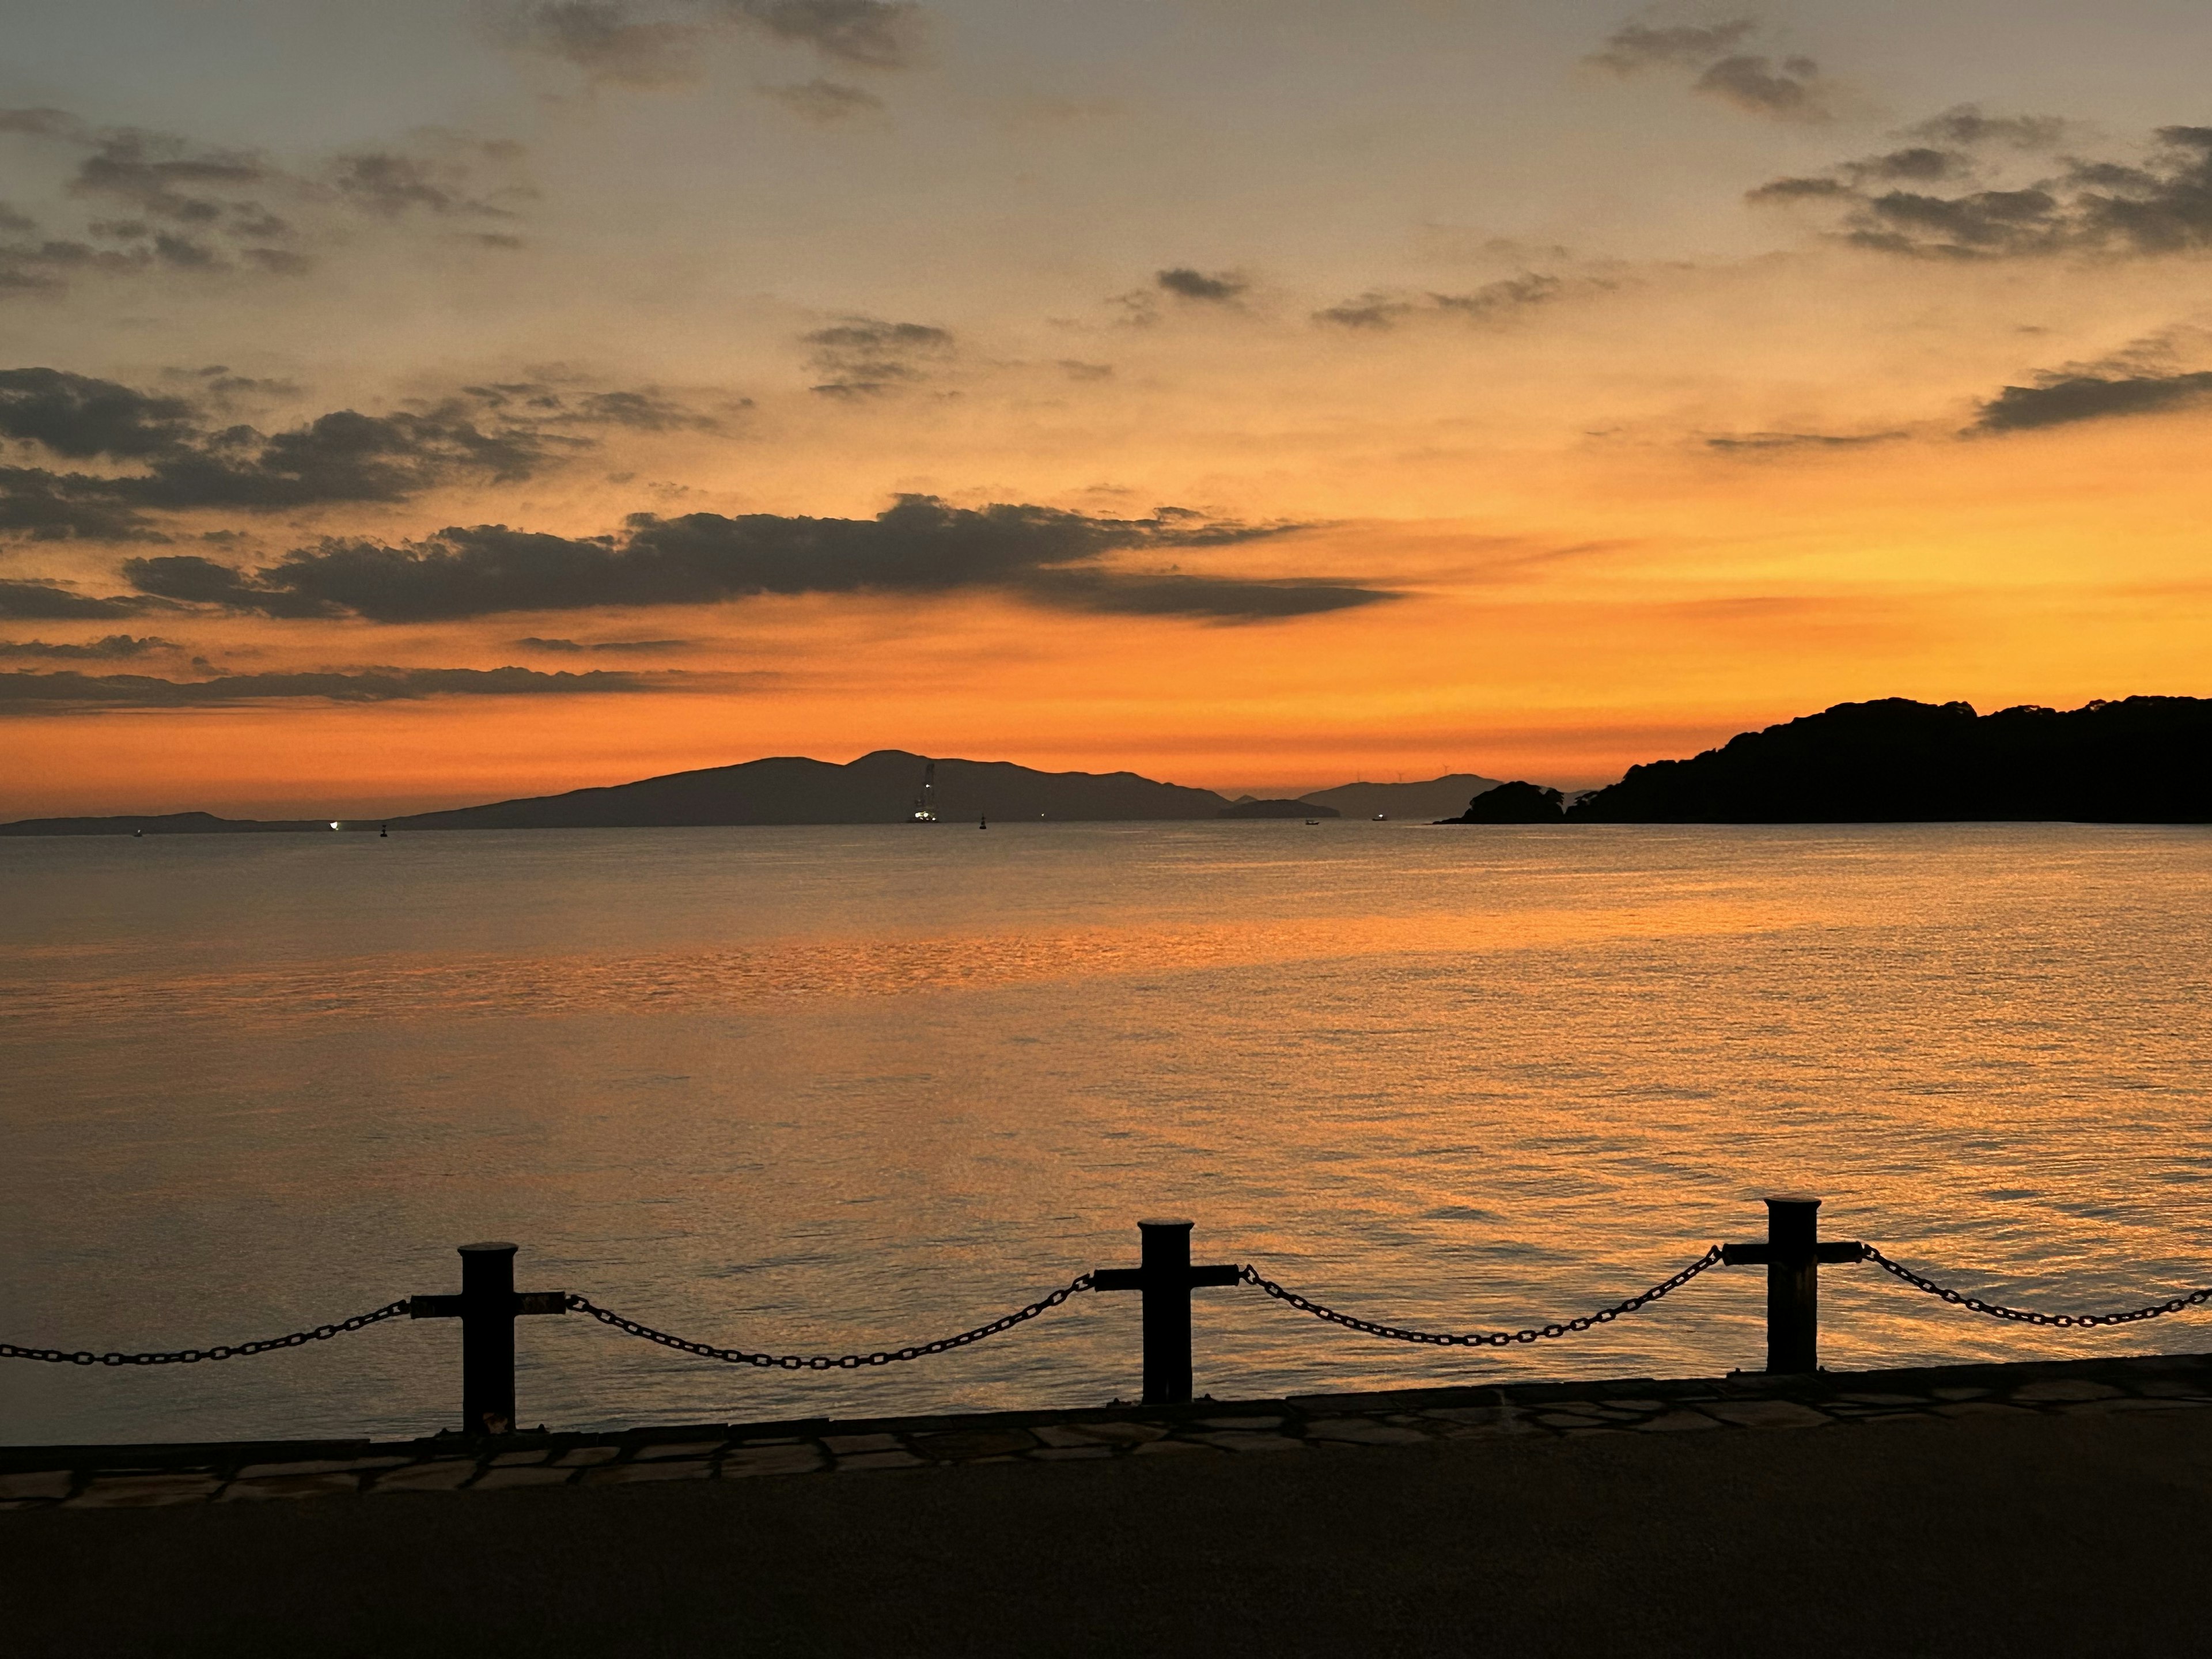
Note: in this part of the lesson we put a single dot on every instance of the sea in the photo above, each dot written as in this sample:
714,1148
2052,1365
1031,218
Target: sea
832,1091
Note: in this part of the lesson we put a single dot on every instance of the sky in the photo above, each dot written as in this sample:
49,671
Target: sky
409,405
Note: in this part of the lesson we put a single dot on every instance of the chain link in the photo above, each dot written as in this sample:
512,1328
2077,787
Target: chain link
2025,1316
193,1355
849,1362
1251,1275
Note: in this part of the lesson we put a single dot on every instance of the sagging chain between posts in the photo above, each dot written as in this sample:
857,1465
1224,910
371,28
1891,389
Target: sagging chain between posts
1251,1275
193,1355
849,1362
2025,1316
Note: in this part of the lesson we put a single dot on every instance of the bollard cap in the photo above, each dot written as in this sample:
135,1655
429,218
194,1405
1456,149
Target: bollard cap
487,1249
1185,1225
1791,1198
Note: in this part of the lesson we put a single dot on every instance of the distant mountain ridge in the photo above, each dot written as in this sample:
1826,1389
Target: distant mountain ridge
1423,802
880,787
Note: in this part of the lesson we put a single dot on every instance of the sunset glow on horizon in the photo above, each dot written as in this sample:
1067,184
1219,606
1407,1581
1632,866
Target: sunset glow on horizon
1255,396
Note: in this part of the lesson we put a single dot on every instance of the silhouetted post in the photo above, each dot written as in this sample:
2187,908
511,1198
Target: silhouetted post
1793,1253
1167,1278
487,1308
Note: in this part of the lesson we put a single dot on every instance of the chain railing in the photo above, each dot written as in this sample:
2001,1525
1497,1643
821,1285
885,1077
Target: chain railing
488,1305
222,1351
849,1362
1251,1275
2025,1316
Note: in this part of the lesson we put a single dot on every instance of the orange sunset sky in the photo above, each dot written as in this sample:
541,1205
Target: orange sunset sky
427,402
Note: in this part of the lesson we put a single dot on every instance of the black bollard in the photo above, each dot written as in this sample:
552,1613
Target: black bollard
1792,1285
487,1338
1166,1279
1793,1253
487,1308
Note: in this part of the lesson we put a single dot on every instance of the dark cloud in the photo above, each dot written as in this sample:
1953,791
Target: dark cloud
114,647
646,44
1788,89
2161,203
187,459
168,203
1638,46
869,34
389,183
919,546
863,357
24,692
825,101
1219,288
1755,442
568,647
603,39
1492,302
1967,127
45,601
2062,400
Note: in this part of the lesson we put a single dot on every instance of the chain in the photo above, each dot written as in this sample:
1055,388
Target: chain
193,1355
849,1362
1975,1304
1251,1275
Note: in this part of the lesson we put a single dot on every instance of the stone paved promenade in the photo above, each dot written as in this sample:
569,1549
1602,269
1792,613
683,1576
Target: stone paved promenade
2056,1508
96,1477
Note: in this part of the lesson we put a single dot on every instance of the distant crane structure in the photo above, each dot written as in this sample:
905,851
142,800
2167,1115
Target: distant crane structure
924,803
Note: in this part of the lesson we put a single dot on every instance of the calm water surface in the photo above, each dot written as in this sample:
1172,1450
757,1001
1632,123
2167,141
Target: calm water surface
821,1089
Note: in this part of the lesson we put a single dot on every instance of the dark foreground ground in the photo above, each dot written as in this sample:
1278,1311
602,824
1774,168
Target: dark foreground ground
1987,1511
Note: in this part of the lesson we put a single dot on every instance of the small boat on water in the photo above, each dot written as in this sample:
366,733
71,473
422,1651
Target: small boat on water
983,821
1313,820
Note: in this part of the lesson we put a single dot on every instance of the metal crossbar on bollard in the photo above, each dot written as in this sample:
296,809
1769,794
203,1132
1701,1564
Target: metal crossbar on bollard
488,1305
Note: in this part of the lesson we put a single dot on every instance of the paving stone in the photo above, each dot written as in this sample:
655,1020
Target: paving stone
1230,1440
1639,1406
1068,1454
534,1474
788,1458
291,1485
511,1459
666,1468
1056,1434
1978,1408
1363,1432
1254,1423
1958,1394
772,1440
36,1483
587,1456
969,1445
1122,1434
893,1459
1768,1414
2064,1388
1559,1420
2102,1407
843,1443
442,1475
1484,1415
1885,1398
655,1453
1173,1449
327,1466
116,1492
1676,1423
